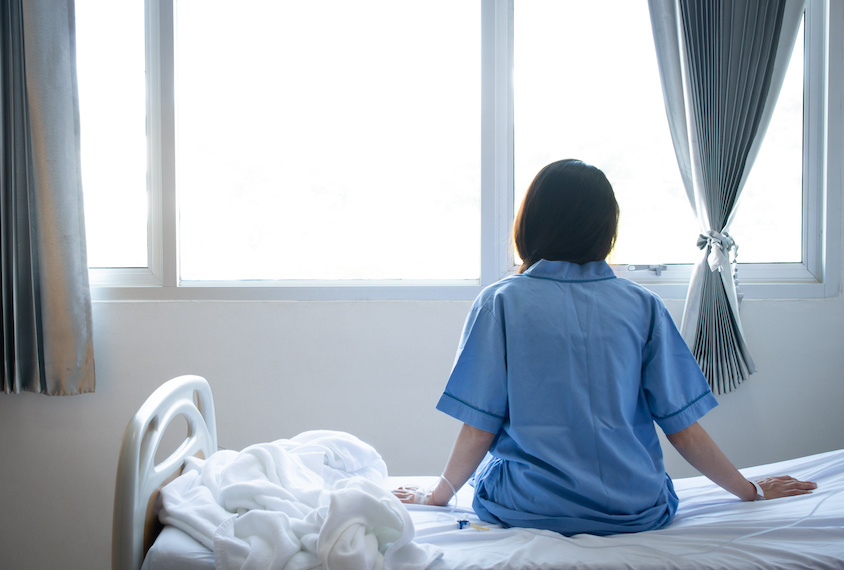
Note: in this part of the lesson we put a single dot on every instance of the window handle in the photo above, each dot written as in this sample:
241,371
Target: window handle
657,269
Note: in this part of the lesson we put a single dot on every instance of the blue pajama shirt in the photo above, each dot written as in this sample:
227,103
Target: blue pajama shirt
571,367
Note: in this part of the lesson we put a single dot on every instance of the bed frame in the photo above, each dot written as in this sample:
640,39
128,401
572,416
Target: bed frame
140,475
712,529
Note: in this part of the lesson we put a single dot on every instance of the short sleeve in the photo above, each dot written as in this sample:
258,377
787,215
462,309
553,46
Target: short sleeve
476,392
676,389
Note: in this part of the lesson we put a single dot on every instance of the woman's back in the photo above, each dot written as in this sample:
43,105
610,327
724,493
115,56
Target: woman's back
570,360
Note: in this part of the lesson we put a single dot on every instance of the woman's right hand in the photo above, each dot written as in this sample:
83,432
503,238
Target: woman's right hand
410,495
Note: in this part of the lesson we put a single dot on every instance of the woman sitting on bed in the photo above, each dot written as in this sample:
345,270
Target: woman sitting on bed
562,371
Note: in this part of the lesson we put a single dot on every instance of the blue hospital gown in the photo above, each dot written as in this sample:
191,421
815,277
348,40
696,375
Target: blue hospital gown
571,366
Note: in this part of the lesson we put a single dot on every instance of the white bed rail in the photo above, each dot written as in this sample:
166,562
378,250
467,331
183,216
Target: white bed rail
139,477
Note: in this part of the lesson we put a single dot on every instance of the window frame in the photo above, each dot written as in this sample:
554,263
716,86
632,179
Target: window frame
818,274
816,277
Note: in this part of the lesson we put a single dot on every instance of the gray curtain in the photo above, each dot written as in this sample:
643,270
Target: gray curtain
721,63
46,302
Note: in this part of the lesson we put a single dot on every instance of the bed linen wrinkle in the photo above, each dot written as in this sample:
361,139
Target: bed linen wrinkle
314,501
712,530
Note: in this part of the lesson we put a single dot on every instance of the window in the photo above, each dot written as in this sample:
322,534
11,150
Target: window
605,106
388,146
328,140
114,143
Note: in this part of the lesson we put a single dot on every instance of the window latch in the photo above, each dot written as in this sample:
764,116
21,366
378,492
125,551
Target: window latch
657,269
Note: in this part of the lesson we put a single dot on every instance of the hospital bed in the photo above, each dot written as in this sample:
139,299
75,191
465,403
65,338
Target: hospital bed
712,529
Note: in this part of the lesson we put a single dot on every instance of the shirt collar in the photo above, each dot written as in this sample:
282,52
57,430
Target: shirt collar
567,271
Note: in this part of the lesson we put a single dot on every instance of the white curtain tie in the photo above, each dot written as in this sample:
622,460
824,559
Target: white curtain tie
721,245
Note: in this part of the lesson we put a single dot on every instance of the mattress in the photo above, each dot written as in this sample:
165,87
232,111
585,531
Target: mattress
712,529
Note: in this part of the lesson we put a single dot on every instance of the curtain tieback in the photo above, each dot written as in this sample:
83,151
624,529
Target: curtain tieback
721,245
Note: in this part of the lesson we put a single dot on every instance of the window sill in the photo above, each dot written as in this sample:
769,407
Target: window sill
756,281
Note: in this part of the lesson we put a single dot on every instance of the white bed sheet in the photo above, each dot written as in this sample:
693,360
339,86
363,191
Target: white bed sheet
712,530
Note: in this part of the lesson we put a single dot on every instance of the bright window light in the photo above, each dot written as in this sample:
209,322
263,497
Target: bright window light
328,140
112,108
329,149
587,86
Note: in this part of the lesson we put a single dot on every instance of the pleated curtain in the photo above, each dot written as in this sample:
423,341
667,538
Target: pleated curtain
722,63
46,303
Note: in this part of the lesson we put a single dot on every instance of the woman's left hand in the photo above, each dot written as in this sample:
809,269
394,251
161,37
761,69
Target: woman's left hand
785,486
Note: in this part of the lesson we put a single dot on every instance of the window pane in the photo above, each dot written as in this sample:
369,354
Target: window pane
593,92
328,139
768,224
112,110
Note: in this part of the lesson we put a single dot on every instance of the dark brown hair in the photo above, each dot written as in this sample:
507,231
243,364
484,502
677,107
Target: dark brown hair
569,213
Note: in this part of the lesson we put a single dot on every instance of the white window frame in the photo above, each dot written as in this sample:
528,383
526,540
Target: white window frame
817,276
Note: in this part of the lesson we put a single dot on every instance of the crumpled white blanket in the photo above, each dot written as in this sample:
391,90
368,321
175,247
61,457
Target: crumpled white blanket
316,500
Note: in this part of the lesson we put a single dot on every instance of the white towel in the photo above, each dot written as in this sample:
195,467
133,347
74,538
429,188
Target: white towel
314,501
